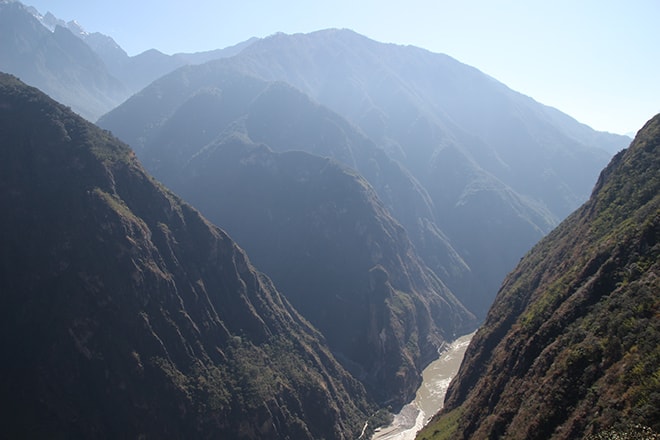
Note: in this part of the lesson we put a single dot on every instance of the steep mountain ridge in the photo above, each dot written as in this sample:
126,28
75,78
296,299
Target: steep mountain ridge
421,108
89,72
179,114
496,169
428,110
124,313
571,346
140,70
58,62
319,230
316,227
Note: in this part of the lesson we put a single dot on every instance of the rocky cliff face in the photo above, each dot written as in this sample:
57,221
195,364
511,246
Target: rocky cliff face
124,313
571,346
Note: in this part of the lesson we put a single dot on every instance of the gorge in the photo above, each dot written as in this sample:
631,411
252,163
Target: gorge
275,240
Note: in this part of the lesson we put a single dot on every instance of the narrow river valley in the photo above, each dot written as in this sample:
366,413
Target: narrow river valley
430,395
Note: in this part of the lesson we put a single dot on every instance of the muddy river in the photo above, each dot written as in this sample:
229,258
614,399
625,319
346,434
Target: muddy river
430,395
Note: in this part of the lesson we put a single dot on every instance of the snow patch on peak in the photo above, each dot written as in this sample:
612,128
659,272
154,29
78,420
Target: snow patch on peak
50,21
76,28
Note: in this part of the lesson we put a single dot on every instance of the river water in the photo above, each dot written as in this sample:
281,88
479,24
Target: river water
430,395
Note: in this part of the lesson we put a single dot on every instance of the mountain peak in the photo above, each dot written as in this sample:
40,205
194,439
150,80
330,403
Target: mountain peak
76,28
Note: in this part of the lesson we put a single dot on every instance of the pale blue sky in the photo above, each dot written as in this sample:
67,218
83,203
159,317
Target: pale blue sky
597,60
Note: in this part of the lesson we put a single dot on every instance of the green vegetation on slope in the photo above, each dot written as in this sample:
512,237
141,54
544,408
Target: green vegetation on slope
571,346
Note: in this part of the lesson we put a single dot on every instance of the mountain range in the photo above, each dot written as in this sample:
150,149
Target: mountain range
382,193
89,72
125,313
571,346
473,191
498,166
464,140
57,62
314,225
321,233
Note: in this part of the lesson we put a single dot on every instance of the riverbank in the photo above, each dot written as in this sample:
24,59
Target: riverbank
430,395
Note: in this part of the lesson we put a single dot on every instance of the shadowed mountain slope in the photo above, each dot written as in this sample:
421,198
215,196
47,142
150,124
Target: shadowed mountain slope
124,313
319,230
316,227
571,346
168,122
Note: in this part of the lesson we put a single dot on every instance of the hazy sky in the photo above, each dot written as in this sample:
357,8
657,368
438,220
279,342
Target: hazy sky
597,60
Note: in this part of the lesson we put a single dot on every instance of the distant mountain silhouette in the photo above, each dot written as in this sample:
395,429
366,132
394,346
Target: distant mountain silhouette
125,313
138,71
89,72
57,62
571,346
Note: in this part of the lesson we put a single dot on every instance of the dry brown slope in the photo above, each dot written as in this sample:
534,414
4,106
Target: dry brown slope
571,346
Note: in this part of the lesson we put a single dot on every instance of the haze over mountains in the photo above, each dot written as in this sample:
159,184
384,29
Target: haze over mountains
479,183
88,71
57,62
382,193
495,163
